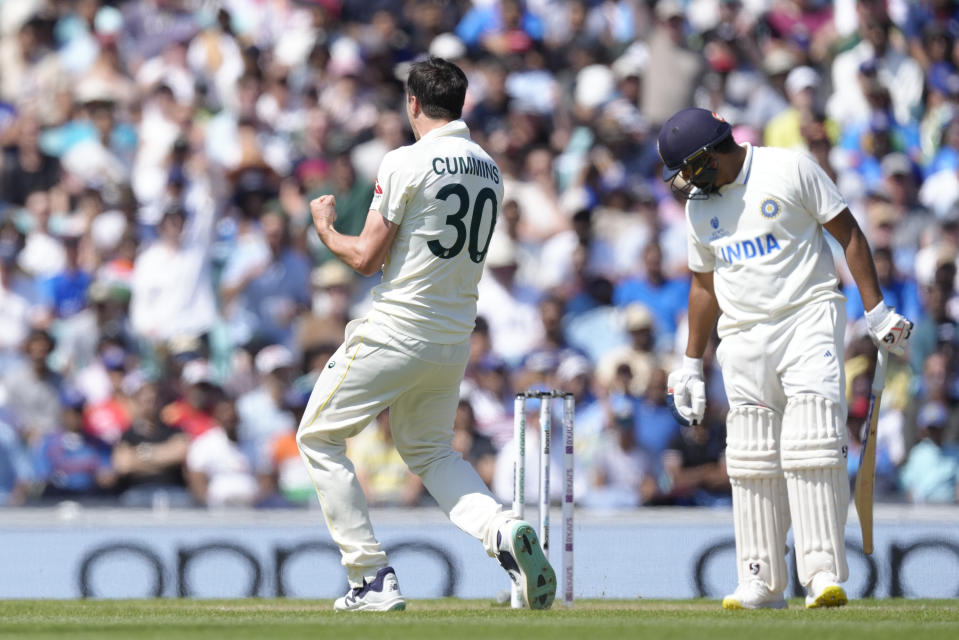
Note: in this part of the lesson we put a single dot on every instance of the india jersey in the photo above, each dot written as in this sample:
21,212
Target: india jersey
762,236
444,193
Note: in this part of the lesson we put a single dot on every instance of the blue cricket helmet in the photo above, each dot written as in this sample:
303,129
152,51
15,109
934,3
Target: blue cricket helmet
686,134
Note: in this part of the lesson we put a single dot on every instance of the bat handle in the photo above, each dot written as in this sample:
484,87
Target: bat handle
879,379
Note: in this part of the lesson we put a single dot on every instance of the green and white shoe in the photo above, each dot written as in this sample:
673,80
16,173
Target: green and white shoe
522,556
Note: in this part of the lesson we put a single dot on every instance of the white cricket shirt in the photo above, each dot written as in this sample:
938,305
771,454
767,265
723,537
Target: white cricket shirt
444,193
762,236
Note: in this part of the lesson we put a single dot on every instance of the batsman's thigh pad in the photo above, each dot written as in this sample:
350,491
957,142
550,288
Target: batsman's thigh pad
760,508
814,449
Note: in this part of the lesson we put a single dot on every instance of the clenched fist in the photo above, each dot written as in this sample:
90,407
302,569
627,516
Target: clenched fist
323,210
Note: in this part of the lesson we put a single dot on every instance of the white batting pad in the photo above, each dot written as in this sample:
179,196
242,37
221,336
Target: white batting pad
760,509
814,451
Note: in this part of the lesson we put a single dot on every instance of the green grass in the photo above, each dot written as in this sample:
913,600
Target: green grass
467,619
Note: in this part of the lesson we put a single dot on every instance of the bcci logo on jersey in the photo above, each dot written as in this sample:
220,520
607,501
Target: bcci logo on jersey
770,208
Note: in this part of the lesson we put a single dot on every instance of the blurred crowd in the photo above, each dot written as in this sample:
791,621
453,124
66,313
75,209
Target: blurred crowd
165,305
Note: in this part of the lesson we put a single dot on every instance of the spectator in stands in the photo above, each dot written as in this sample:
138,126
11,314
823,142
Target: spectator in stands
65,293
935,327
556,259
674,69
476,448
382,474
71,465
694,463
333,286
554,340
288,477
263,411
490,396
664,296
638,355
501,27
14,311
931,474
294,486
149,457
32,73
271,291
172,290
26,168
911,218
389,133
621,472
34,390
193,412
480,347
109,416
785,130
654,430
897,72
574,375
598,329
217,471
513,319
489,114
536,192
16,467
42,255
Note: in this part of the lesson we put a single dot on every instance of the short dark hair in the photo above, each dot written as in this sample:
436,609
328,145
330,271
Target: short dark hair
440,87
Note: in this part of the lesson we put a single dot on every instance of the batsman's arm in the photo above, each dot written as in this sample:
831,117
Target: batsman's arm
846,231
364,253
703,312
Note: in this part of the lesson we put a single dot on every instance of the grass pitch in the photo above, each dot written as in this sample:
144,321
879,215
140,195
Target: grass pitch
452,619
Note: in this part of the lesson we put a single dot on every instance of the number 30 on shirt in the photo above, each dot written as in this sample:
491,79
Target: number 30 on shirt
476,246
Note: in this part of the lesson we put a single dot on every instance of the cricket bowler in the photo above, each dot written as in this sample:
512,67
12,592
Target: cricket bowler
429,227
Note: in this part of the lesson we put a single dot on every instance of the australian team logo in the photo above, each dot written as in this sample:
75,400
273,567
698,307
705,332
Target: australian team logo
770,208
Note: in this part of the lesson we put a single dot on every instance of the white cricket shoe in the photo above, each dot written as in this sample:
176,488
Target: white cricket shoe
523,558
754,594
380,594
824,591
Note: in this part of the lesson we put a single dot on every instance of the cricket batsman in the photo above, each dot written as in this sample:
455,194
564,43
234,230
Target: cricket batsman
760,264
429,226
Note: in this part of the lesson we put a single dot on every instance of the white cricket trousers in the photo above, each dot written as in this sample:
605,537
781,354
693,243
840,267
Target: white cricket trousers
372,370
786,443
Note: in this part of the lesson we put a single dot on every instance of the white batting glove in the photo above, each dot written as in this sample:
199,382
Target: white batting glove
889,329
686,392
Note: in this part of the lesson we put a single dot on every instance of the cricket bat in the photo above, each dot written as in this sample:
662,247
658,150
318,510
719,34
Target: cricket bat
866,475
